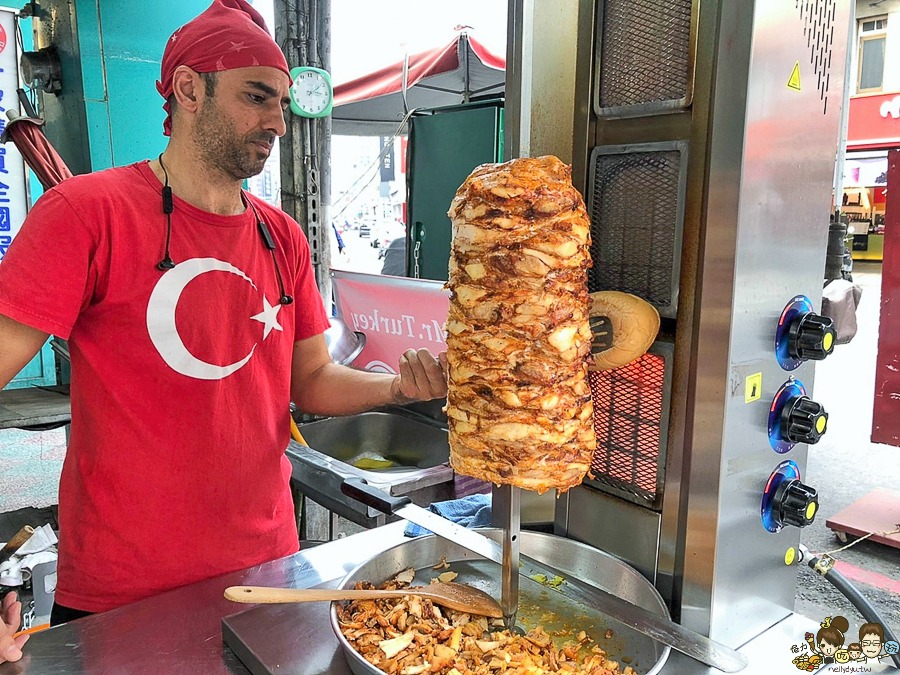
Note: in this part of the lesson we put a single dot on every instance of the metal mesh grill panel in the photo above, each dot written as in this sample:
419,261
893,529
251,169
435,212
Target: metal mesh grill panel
628,407
634,224
644,52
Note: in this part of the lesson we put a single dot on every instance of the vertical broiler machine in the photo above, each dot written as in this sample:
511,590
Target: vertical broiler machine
704,144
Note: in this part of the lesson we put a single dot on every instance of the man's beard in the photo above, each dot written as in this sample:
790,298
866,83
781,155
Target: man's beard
223,150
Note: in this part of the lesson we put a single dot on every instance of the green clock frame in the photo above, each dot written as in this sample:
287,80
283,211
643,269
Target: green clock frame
295,107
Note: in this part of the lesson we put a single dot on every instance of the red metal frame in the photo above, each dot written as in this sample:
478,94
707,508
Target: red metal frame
886,418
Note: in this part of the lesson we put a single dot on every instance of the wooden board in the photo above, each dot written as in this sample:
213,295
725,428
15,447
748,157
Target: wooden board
34,406
878,511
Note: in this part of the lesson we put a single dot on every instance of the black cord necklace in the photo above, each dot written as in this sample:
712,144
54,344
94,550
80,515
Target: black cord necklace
168,205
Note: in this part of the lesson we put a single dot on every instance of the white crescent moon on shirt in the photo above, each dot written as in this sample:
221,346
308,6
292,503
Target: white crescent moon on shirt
161,319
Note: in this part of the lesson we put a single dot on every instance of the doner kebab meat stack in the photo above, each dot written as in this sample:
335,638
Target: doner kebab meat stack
518,332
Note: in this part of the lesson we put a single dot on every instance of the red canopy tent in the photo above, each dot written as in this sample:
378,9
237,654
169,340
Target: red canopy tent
375,104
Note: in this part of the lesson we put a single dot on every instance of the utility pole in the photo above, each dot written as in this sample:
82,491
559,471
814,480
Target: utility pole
303,29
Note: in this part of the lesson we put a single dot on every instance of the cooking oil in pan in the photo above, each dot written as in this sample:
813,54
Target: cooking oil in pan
546,605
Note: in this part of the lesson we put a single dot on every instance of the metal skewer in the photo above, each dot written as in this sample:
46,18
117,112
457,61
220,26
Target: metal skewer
507,500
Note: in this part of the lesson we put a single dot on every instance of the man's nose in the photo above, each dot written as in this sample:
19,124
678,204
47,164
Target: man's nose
275,121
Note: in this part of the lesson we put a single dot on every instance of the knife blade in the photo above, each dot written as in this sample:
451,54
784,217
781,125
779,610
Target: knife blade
653,625
361,491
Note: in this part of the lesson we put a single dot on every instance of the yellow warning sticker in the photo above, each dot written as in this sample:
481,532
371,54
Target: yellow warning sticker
753,388
794,81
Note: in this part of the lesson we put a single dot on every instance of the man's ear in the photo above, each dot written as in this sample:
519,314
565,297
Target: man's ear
187,88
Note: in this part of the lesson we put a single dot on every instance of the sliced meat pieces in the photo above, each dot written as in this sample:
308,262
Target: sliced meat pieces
519,338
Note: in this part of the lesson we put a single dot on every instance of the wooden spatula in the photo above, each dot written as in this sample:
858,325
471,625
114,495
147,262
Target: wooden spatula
15,543
455,596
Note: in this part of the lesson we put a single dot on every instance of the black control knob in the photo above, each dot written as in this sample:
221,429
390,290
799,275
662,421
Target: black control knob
796,504
811,337
803,420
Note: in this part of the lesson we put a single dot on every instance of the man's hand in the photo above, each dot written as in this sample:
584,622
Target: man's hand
11,614
422,377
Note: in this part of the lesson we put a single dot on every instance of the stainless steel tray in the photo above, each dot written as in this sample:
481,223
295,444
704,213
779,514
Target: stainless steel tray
644,655
419,453
409,445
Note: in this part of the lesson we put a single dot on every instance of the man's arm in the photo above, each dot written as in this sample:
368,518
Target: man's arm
321,387
18,345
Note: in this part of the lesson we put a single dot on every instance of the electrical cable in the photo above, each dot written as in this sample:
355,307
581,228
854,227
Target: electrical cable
31,96
849,591
168,207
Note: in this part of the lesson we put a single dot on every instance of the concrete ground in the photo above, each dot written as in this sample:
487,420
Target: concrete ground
30,465
845,465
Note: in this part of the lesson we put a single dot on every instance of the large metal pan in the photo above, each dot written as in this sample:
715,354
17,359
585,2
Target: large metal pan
536,600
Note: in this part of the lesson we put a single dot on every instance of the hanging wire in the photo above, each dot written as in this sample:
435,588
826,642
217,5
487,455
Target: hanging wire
381,155
30,92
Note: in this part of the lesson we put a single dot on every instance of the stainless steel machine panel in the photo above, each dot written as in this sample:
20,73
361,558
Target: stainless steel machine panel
627,531
762,127
766,230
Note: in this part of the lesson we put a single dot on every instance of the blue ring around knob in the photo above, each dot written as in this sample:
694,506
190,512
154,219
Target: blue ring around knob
787,470
798,305
788,390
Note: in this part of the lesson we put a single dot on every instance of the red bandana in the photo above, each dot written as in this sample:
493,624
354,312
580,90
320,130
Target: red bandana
230,34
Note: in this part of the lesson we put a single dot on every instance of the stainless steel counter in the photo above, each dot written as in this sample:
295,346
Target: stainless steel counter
181,631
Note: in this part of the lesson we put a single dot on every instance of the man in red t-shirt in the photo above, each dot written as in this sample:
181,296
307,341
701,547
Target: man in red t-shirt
193,320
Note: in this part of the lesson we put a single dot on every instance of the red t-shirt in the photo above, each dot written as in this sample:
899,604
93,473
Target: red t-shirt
175,470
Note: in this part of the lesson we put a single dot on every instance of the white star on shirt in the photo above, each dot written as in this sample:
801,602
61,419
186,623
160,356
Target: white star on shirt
237,46
268,317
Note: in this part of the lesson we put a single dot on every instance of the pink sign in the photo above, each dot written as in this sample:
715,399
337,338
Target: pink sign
394,313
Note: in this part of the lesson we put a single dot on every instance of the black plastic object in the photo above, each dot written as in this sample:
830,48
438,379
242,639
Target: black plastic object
834,259
42,69
602,330
796,504
361,491
811,337
803,420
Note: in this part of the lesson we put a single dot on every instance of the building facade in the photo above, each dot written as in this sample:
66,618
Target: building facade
874,121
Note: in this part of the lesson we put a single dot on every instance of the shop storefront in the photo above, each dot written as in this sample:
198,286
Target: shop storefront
874,128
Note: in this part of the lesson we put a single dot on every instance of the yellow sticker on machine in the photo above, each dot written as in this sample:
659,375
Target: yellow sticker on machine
789,556
794,80
753,388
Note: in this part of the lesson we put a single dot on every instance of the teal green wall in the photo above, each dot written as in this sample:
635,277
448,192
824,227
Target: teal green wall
121,44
